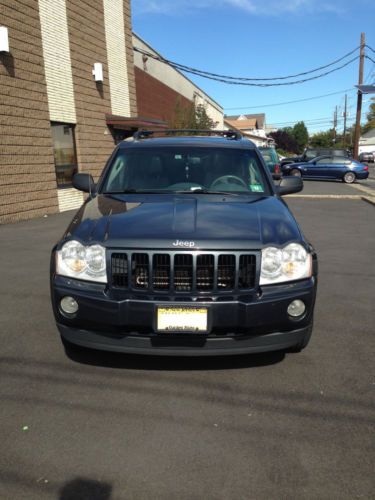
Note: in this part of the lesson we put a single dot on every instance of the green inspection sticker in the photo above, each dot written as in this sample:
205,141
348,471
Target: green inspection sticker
256,188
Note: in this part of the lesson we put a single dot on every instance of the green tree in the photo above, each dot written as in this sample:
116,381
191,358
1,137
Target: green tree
322,139
202,120
370,118
284,140
189,116
184,115
301,135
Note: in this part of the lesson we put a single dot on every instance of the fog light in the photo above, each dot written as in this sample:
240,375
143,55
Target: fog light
69,305
296,308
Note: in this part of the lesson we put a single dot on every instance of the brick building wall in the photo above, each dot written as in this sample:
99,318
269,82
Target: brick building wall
92,99
32,95
27,172
155,99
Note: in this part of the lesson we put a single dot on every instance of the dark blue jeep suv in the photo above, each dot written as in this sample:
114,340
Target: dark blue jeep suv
184,247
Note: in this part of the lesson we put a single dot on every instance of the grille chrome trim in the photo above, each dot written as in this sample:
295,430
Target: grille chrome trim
184,272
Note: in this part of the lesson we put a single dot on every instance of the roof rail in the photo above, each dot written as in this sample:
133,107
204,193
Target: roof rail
228,134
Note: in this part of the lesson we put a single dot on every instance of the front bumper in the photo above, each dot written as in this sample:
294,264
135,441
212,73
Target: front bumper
253,322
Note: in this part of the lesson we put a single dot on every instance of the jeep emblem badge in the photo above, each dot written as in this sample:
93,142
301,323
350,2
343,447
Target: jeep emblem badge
180,243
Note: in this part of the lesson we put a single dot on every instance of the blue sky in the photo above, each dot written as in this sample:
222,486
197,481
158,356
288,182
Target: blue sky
265,38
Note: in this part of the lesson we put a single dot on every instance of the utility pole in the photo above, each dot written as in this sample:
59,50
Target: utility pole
357,131
345,113
334,125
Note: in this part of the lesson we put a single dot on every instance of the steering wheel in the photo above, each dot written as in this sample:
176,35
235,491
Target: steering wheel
228,179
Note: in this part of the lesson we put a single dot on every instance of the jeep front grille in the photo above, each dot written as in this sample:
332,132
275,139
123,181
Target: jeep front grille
183,272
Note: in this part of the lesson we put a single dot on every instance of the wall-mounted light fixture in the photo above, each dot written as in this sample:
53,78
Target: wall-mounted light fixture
4,40
98,72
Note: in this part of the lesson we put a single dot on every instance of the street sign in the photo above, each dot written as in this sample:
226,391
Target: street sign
366,89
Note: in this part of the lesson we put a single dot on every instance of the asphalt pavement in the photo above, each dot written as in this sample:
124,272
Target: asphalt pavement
116,427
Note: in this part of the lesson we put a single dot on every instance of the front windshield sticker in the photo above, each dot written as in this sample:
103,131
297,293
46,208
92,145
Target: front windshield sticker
256,188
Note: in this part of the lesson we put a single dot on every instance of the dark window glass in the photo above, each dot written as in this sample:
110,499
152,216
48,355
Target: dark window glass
341,160
324,160
175,169
64,152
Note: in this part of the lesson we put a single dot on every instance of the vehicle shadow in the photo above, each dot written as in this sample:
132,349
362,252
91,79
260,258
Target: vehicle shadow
80,489
108,359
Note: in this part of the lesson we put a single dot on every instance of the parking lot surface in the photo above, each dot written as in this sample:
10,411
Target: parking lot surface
105,426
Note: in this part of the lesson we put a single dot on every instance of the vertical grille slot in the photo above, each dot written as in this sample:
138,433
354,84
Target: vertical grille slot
140,270
161,271
183,272
226,272
247,270
119,265
205,272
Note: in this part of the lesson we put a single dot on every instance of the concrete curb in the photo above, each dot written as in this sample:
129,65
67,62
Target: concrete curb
369,199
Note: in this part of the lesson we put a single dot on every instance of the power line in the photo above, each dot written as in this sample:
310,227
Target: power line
238,78
308,125
244,81
370,59
248,84
292,102
302,120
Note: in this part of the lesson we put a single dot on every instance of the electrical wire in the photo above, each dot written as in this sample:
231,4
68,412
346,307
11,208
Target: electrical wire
370,59
312,122
292,102
238,78
244,81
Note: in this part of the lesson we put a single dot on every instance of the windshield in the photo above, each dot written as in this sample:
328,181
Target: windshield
205,170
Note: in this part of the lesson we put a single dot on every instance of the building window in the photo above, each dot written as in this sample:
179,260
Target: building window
64,151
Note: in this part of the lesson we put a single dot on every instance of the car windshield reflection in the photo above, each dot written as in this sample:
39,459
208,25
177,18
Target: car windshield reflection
193,170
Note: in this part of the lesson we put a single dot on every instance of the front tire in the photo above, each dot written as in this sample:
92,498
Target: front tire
349,178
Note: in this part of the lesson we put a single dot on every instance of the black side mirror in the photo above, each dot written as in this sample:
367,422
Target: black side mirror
84,182
289,185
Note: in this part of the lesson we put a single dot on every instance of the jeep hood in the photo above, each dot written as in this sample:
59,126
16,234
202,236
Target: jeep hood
184,221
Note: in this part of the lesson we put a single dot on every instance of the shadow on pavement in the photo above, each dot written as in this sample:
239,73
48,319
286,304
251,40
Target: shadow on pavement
85,489
108,359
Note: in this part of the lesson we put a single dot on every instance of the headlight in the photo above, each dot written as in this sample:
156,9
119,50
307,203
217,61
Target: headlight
286,264
81,262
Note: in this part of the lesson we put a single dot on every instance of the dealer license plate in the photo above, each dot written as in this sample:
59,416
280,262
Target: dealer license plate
182,319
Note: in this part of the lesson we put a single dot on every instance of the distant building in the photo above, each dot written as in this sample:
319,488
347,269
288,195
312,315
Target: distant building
260,118
367,142
251,126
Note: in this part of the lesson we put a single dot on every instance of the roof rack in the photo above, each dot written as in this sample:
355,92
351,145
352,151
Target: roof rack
228,134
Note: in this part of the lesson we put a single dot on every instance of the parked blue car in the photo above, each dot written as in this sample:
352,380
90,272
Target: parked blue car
328,167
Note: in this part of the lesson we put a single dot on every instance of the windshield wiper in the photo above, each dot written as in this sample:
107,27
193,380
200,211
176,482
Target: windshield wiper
139,191
190,191
208,191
